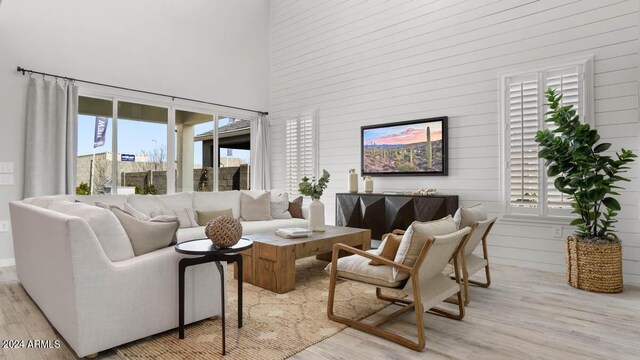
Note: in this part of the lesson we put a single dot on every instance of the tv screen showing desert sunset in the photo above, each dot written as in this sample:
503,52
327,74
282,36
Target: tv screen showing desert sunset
403,148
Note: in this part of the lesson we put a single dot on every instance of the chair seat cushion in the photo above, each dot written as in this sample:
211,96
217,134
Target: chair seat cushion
356,267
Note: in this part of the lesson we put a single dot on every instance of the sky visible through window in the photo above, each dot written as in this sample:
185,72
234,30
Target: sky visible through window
136,136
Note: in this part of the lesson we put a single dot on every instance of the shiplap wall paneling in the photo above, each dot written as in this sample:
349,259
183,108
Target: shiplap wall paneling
376,61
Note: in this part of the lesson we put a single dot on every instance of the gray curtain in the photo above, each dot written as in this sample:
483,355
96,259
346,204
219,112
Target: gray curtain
260,154
51,139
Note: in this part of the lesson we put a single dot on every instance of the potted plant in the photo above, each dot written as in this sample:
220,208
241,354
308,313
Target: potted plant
574,153
314,190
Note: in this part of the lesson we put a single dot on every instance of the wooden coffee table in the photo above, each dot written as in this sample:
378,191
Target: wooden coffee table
271,262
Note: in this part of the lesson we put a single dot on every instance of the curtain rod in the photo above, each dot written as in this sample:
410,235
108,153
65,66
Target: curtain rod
31,72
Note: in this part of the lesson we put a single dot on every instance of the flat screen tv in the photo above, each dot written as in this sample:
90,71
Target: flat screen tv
416,147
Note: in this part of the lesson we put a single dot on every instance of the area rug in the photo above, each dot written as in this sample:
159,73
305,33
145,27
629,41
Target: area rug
275,326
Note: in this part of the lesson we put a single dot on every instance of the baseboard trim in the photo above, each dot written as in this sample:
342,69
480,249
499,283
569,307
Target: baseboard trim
7,262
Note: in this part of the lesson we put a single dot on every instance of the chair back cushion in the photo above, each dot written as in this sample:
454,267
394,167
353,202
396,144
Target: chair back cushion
466,216
417,235
477,234
105,226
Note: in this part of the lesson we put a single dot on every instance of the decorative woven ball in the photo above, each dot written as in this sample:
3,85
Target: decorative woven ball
224,231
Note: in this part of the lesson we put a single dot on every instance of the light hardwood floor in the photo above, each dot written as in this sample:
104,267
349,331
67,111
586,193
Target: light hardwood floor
525,314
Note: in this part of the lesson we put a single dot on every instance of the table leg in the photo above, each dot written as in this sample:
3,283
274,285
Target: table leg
222,302
240,290
181,269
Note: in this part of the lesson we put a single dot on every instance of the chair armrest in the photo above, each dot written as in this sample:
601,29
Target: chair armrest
384,261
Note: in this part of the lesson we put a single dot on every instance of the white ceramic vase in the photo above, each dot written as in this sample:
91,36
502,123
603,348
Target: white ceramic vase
368,184
316,216
353,181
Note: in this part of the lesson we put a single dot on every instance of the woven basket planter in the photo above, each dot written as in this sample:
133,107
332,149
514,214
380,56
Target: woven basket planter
594,267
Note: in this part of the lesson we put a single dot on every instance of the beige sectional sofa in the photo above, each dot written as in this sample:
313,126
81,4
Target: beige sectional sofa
74,261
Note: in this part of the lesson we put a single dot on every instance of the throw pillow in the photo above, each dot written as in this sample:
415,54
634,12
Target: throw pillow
295,208
471,214
255,208
134,212
280,207
148,236
185,215
205,216
416,237
389,246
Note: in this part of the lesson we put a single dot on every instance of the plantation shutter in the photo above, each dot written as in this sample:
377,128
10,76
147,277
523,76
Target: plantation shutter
523,122
566,81
300,149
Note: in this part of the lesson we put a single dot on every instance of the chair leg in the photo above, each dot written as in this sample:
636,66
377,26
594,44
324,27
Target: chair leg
375,329
446,313
483,284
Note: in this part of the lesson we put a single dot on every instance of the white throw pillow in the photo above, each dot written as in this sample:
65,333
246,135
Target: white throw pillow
105,225
457,217
416,237
280,207
255,208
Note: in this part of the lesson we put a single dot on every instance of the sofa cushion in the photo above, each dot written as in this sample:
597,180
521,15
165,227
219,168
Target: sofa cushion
115,200
270,226
105,225
203,217
295,208
148,236
356,267
145,203
191,234
181,204
280,206
248,228
255,208
46,201
416,237
217,200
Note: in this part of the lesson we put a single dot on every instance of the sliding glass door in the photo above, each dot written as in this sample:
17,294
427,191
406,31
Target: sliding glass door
127,146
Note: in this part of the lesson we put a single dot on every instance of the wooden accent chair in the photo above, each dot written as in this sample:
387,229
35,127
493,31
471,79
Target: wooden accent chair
426,285
472,263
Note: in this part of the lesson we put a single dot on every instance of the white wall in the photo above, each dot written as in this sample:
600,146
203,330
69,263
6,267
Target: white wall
379,61
210,50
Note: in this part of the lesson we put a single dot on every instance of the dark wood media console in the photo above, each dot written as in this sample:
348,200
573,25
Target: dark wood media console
382,213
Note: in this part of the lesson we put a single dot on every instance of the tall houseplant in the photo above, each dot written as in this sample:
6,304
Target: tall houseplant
574,153
314,189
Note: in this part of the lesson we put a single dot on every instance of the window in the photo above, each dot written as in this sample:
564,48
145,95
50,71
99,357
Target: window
300,149
151,146
527,188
